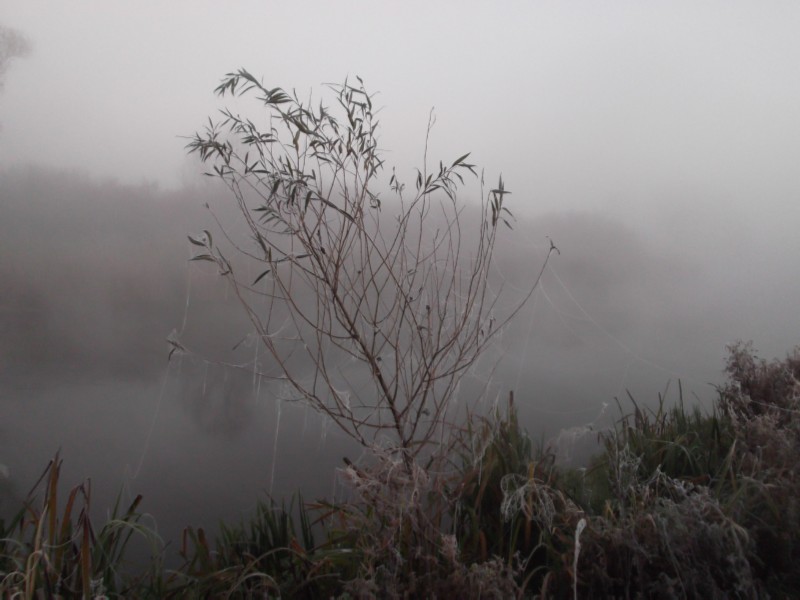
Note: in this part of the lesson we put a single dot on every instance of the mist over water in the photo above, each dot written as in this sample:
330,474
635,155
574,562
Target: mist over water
96,276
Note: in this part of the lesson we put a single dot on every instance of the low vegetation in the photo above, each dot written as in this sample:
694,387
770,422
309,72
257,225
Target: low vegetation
679,504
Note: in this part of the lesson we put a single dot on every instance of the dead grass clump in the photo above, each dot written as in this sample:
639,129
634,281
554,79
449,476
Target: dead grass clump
274,553
509,504
699,505
51,548
762,401
758,387
669,540
400,526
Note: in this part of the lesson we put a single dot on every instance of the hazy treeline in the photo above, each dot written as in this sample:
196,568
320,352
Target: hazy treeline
95,278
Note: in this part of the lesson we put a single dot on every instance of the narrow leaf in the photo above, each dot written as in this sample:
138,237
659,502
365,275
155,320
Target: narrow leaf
260,277
460,159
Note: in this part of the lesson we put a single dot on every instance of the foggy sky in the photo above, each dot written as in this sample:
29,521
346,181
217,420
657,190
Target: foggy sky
598,106
657,145
680,119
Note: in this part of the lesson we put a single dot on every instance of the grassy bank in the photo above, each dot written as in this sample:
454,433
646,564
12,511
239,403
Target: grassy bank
679,504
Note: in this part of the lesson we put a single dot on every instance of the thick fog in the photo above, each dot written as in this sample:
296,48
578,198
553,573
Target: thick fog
656,146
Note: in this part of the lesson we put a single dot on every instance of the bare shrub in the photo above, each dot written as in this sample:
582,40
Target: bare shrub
369,313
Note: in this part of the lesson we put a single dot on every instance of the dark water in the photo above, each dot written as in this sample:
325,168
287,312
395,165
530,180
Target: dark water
95,278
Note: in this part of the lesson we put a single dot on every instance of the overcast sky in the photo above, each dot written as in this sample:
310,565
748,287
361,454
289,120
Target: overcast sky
598,105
